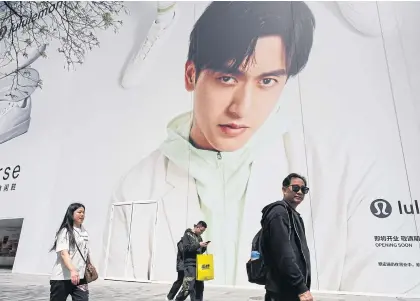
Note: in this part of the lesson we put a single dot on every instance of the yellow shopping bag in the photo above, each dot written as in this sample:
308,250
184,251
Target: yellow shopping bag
205,267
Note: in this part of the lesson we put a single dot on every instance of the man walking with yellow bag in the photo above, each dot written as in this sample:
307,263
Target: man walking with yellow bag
193,245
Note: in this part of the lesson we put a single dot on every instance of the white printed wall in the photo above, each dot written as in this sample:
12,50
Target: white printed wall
113,134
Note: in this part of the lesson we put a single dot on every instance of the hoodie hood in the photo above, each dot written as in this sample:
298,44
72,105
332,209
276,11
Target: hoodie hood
266,209
178,148
221,178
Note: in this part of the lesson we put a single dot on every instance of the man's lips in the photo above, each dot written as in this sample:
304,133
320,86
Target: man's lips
234,125
233,129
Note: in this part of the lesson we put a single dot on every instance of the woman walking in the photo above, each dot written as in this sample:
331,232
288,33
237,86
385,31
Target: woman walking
72,247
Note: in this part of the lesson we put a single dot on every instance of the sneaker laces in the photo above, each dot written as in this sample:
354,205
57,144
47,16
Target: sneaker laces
150,42
7,108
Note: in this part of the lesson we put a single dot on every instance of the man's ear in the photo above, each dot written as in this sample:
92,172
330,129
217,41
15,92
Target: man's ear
190,74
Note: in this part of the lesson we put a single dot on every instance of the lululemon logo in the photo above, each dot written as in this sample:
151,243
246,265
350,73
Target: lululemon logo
381,208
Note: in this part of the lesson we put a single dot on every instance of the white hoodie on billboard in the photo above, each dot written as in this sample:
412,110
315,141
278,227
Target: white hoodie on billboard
191,185
229,193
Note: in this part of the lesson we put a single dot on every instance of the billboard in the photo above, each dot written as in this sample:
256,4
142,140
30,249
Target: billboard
155,127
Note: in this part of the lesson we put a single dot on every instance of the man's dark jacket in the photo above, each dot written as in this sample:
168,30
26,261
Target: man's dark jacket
288,261
191,246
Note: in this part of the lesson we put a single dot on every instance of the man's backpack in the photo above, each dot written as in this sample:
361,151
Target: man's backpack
180,247
255,268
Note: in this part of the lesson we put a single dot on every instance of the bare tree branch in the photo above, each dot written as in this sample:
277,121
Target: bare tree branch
27,26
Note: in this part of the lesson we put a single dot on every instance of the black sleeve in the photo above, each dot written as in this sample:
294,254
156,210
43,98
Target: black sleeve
189,243
282,252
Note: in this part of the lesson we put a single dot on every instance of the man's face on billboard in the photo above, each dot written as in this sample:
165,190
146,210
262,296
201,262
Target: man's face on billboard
229,106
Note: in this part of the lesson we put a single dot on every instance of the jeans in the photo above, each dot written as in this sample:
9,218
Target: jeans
60,289
191,286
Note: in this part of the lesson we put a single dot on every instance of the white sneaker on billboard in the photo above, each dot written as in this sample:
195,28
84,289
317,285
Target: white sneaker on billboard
362,16
148,52
15,102
15,118
18,85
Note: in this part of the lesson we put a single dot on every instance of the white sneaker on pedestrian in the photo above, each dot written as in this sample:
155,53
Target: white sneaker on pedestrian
148,51
15,118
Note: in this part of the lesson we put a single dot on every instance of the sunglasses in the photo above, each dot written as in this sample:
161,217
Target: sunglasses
296,188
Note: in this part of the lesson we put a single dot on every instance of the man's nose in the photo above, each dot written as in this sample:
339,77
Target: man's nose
241,101
299,192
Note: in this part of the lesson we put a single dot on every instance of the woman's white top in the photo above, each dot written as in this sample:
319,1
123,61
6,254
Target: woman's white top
60,271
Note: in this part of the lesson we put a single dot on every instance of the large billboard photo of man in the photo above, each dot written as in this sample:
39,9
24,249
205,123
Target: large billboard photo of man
240,57
224,161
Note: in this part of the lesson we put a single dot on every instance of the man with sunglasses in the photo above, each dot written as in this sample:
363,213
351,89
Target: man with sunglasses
286,251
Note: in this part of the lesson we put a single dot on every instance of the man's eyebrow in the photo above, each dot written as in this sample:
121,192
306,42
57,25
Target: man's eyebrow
233,71
278,73
228,70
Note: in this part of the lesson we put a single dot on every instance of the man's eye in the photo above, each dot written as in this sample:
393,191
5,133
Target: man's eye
227,79
268,82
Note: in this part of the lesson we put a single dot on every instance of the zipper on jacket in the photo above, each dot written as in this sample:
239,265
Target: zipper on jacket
219,159
220,167
304,258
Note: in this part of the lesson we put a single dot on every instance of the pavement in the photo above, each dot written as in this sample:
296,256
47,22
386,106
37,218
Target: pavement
23,287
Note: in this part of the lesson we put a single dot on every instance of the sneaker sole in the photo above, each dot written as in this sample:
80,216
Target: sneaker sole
16,131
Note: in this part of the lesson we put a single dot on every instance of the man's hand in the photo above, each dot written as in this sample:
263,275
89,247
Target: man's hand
203,244
306,296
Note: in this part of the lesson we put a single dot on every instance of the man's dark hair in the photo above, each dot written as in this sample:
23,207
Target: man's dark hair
288,179
201,224
227,32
